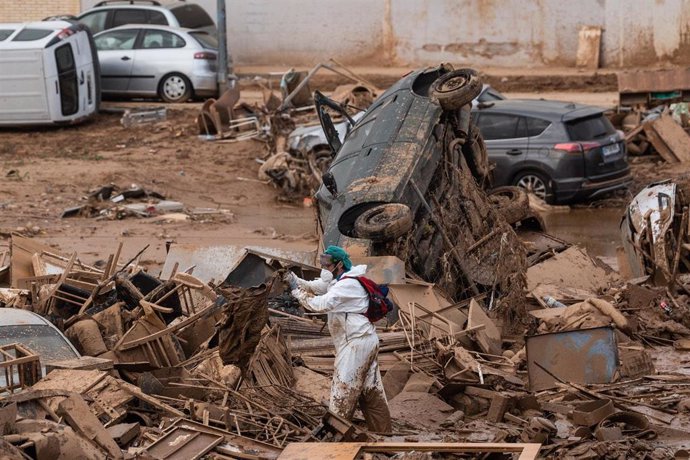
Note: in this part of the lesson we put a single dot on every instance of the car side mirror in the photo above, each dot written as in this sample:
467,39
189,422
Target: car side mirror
329,183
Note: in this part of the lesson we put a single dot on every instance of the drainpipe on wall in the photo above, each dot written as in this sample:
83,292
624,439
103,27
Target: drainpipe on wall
222,48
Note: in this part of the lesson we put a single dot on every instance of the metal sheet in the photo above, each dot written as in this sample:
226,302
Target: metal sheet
581,356
251,271
216,262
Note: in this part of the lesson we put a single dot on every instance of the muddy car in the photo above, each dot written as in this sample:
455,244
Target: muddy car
651,228
408,180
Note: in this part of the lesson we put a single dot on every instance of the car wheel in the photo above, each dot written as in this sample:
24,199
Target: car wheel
512,203
175,87
457,88
535,183
384,222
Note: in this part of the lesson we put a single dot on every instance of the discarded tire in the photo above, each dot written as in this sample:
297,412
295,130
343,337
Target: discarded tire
457,88
512,203
384,222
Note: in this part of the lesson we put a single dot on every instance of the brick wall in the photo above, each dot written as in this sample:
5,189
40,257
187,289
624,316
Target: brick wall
35,10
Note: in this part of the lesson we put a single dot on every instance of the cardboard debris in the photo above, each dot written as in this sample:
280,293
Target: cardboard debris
572,268
669,139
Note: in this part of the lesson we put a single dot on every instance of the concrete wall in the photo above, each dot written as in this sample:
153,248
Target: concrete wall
519,33
35,10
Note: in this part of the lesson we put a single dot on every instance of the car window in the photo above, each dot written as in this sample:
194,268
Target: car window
95,21
156,17
27,35
4,33
490,95
192,16
122,17
205,39
117,40
43,340
499,126
161,39
583,129
536,126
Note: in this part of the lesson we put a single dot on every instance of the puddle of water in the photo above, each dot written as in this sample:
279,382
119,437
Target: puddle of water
595,229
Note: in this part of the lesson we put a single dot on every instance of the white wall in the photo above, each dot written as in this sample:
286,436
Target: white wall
518,33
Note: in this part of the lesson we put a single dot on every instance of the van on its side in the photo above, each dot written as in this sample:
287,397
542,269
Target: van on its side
49,73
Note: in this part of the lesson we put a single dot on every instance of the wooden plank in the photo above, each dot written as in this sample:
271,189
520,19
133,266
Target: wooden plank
659,144
674,136
345,451
588,47
22,251
489,338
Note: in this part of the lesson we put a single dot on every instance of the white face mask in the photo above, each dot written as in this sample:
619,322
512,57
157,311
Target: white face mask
326,276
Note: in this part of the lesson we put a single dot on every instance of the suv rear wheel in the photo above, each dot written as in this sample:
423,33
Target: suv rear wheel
535,183
456,88
384,222
175,87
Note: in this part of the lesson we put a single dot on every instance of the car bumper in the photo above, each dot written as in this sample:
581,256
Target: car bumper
205,84
569,191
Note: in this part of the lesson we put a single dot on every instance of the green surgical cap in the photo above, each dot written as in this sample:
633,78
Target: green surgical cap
338,254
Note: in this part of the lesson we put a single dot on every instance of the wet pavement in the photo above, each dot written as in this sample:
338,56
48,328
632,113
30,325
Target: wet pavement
597,230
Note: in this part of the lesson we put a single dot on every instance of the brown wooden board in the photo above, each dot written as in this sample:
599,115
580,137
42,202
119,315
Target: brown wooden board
659,144
350,451
588,47
674,136
184,443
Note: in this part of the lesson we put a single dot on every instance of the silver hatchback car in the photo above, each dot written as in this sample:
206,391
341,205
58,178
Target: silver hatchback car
147,60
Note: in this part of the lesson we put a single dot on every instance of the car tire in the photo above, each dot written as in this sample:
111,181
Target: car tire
384,222
512,203
456,88
175,87
536,183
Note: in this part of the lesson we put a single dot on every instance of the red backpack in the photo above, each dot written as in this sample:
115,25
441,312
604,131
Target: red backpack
379,303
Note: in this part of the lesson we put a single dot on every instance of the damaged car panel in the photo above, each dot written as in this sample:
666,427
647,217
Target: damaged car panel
646,231
391,145
408,180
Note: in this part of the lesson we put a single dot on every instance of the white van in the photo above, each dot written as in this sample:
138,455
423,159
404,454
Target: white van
49,73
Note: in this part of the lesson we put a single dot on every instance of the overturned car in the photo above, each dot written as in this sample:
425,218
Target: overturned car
408,180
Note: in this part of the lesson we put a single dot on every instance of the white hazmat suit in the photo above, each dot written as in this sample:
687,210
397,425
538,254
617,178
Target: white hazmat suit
356,375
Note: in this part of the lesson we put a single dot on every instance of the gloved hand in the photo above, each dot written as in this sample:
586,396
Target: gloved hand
299,294
291,279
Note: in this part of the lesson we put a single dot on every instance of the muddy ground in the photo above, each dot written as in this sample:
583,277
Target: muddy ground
45,171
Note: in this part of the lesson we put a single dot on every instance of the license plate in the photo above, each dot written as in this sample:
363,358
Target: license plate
612,149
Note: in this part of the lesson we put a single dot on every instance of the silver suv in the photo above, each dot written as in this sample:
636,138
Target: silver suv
108,14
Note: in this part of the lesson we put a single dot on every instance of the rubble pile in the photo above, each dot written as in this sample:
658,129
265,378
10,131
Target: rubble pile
184,366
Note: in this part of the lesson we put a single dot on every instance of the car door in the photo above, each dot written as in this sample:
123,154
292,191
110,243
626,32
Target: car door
506,143
541,135
159,52
116,54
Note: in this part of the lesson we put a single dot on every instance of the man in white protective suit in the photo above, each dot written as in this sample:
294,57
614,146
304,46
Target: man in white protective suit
356,375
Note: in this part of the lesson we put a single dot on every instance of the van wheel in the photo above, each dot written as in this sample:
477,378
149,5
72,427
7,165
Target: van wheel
512,203
384,222
175,87
536,184
457,88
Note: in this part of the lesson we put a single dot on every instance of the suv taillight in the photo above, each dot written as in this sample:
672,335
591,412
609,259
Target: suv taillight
64,33
576,147
205,55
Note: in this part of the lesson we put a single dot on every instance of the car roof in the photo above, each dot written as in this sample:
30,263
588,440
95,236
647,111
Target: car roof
151,26
542,108
55,26
19,317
